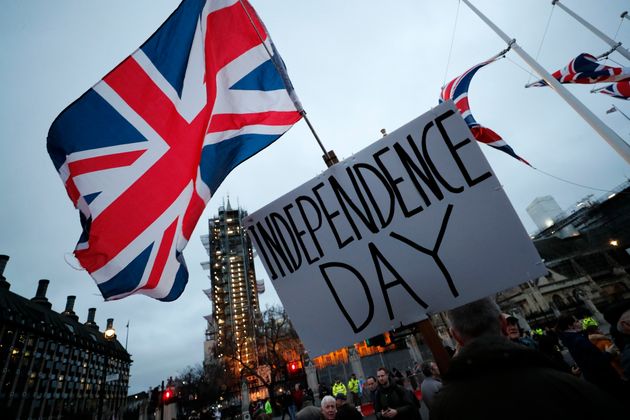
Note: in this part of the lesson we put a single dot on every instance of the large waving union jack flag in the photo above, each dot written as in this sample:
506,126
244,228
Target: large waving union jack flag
457,91
584,69
142,151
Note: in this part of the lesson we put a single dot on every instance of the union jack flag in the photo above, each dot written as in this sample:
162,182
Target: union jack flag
142,151
585,69
619,90
457,91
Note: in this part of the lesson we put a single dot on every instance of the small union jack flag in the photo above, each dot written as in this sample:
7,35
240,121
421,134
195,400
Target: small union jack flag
585,69
142,151
457,91
620,90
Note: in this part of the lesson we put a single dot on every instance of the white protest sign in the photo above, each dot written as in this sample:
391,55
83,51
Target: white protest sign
415,223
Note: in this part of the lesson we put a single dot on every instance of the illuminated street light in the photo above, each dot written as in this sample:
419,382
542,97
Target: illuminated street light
110,332
614,242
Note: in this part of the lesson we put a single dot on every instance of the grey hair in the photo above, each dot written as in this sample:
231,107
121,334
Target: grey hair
625,317
476,319
327,399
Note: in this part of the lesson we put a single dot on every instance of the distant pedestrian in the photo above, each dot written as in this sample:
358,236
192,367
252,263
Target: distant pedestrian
391,401
492,378
353,388
549,345
323,390
594,364
309,398
602,342
618,316
371,385
398,377
515,333
339,388
412,379
288,406
431,384
346,410
298,396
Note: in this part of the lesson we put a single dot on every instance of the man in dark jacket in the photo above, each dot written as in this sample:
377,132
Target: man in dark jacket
594,364
371,386
493,378
345,410
391,401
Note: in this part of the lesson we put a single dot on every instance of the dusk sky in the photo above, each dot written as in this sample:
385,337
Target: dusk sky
357,66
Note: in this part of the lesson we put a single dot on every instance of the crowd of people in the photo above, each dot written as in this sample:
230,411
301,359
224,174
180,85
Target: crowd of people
572,370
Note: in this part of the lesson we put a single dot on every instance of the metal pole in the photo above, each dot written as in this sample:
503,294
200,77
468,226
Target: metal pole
612,138
162,402
600,34
329,157
127,335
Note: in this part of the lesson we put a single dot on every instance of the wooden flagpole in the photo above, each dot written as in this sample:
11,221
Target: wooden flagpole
611,42
434,342
612,138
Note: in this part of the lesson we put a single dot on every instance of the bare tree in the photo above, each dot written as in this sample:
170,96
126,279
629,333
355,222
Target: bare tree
199,385
276,344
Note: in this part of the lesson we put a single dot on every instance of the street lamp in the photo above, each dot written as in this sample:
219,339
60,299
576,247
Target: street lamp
109,334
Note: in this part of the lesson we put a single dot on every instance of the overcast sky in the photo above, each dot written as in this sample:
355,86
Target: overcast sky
357,66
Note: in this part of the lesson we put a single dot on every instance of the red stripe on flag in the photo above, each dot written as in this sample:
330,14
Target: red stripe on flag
224,122
484,134
137,89
73,191
228,26
624,88
162,256
99,163
462,105
193,212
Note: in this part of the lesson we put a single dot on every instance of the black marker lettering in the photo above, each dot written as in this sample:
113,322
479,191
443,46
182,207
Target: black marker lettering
376,257
366,290
385,221
433,253
453,149
330,216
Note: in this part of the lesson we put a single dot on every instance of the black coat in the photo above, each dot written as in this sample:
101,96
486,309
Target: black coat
492,378
394,396
348,412
594,364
